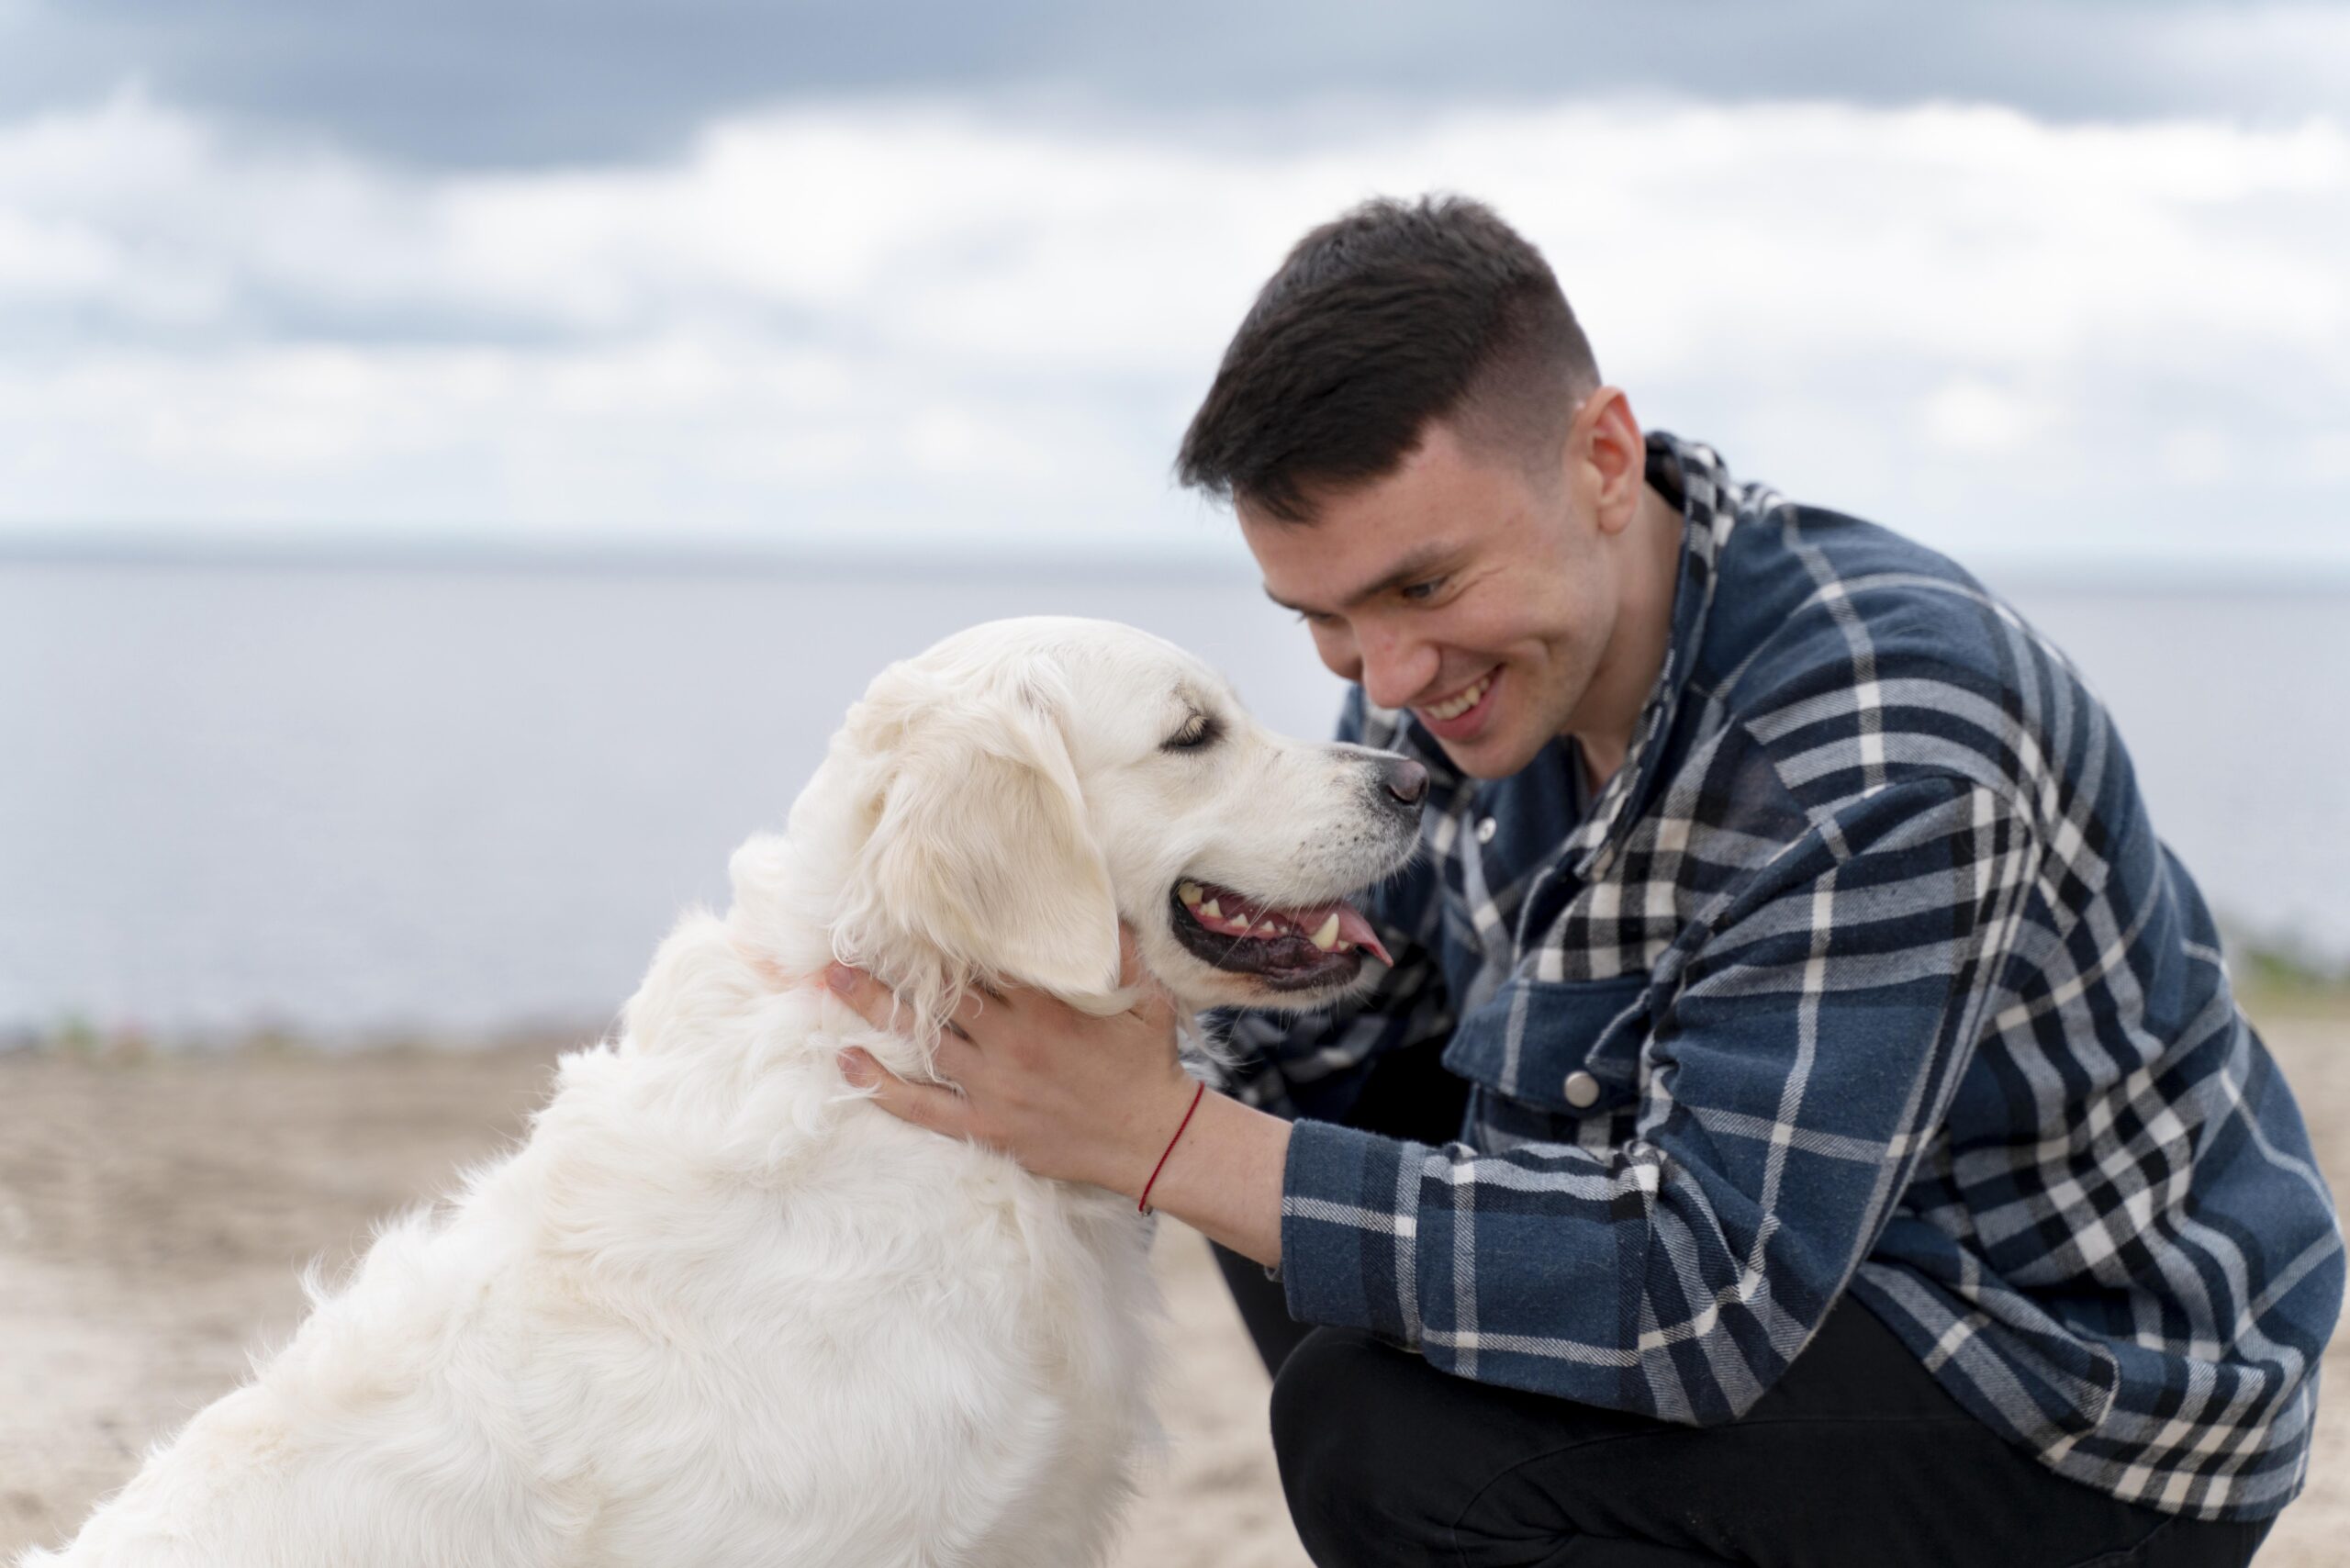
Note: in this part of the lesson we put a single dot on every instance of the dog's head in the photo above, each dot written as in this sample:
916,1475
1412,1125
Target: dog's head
1000,802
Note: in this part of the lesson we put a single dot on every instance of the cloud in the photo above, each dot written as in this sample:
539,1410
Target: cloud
926,320
478,82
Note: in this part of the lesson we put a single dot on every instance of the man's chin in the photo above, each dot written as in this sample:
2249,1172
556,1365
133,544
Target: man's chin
1512,736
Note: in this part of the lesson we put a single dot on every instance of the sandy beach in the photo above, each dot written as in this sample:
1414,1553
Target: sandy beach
155,1210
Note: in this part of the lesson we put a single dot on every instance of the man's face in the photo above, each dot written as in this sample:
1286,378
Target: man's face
1462,586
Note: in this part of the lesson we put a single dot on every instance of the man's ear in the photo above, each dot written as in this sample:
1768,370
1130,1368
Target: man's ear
980,848
1605,441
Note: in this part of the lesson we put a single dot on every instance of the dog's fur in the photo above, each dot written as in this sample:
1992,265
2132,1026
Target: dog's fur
721,1309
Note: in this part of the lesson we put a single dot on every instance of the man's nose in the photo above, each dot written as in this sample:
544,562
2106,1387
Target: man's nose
1394,672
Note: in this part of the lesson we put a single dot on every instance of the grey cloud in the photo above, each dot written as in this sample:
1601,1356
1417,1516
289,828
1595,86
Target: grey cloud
530,81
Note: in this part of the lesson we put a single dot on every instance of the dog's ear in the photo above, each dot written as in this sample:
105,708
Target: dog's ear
980,848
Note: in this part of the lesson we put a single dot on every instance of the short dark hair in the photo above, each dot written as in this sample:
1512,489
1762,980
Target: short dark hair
1388,316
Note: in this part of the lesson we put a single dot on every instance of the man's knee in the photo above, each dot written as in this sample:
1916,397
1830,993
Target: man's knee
1385,1459
1316,1372
1341,1421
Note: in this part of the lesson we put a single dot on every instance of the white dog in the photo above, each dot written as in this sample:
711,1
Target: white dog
721,1310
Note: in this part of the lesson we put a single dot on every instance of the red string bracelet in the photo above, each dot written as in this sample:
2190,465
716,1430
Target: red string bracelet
1142,1204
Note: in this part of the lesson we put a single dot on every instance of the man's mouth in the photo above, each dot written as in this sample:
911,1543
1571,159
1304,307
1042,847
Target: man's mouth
1289,948
1460,715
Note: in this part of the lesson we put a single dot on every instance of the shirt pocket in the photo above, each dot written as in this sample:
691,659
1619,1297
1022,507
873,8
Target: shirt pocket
1568,1046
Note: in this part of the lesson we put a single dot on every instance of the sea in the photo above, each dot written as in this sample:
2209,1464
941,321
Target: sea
349,801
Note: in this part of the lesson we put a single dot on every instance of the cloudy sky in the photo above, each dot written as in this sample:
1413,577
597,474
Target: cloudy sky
2066,281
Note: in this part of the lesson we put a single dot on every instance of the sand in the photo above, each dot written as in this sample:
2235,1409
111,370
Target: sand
155,1211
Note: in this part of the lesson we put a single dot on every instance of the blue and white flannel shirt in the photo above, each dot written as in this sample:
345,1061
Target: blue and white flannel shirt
1865,972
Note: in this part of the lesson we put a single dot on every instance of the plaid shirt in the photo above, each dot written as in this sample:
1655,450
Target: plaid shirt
1865,972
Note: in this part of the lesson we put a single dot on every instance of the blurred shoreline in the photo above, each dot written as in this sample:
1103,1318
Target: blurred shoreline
2275,984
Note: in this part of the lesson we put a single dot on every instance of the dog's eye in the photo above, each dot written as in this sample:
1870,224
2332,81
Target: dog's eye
1197,730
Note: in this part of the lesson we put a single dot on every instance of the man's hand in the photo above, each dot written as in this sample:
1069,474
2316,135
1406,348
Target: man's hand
1066,1094
1085,1099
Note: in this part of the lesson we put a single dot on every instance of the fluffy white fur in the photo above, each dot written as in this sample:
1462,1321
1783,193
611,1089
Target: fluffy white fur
719,1309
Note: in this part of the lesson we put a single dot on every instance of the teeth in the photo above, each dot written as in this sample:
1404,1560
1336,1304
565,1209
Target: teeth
1256,921
1460,704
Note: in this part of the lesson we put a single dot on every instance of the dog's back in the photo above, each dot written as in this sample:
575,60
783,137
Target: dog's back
716,1311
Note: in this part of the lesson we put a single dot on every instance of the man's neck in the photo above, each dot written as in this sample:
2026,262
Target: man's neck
1629,669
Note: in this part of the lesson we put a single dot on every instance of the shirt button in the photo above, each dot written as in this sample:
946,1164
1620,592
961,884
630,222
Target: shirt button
1582,1090
1486,829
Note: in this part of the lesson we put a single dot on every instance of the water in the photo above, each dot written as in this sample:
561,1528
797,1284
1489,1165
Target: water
355,803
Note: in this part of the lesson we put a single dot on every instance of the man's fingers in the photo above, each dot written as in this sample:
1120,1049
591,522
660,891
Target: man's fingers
957,1058
867,997
879,1006
924,1105
976,1001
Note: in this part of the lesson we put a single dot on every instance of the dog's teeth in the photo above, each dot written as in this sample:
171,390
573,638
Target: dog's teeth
1268,928
1188,893
1326,935
1211,909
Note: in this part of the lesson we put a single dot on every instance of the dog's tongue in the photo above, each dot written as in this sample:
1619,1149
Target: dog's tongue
1352,926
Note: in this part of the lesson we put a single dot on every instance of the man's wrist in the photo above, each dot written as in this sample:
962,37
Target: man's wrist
1223,1177
1155,1137
1183,1124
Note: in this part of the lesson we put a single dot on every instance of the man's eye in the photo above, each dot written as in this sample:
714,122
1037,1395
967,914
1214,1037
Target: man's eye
1197,732
1420,593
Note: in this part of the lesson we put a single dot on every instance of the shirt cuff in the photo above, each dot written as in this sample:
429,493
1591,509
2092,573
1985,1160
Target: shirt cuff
1350,1205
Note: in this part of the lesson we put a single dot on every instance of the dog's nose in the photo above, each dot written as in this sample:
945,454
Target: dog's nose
1407,780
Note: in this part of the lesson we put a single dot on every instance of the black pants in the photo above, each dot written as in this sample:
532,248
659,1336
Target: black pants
1855,1458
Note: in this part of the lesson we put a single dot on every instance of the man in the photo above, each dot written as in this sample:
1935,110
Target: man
1864,1159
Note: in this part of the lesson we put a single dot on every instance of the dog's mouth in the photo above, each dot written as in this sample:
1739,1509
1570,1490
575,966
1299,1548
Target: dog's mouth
1290,949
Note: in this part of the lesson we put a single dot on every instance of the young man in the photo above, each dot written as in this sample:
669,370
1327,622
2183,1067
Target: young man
1864,1159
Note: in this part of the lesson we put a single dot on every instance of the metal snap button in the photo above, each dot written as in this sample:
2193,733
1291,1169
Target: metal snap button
1486,829
1582,1090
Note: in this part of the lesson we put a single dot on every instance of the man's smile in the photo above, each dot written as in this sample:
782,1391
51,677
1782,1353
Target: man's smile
1462,713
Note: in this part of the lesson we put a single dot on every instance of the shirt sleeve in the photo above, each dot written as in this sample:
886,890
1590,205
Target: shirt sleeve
1815,1030
1314,1063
